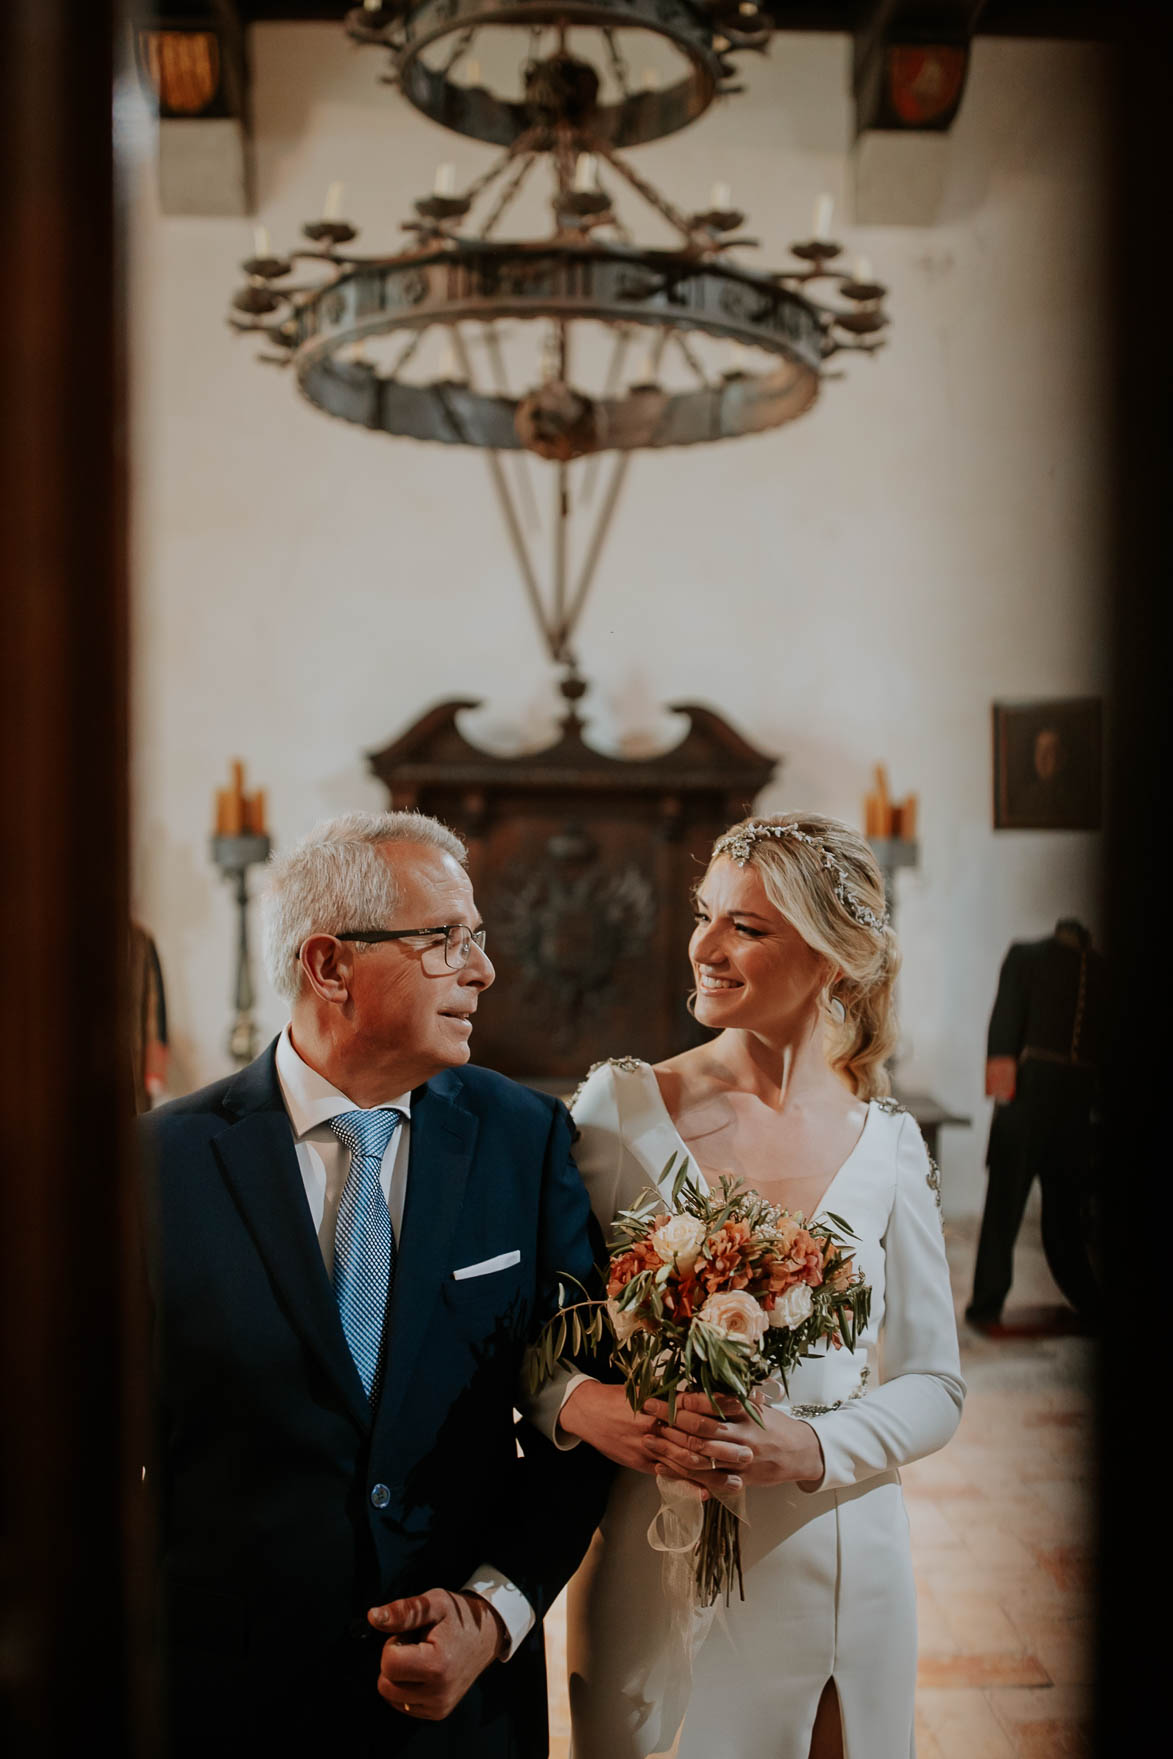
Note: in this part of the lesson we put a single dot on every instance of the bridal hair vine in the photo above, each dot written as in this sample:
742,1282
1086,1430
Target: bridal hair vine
738,844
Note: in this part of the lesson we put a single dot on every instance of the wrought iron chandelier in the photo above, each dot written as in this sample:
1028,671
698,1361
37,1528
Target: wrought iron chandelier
728,350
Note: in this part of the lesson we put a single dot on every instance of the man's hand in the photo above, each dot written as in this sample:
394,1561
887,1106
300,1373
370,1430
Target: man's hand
1001,1078
601,1416
438,1643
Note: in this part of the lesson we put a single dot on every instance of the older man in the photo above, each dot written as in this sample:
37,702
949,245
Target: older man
357,1236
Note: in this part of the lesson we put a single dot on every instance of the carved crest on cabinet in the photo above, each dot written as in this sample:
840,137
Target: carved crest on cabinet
569,929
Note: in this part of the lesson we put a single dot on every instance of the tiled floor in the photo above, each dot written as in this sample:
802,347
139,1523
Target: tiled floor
1000,1532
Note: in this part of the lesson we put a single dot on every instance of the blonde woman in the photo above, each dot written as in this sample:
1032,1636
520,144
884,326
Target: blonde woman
794,965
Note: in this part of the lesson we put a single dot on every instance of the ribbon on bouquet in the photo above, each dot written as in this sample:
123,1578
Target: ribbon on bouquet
675,1532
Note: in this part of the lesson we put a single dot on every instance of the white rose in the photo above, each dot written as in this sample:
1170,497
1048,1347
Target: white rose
624,1321
679,1241
735,1314
793,1307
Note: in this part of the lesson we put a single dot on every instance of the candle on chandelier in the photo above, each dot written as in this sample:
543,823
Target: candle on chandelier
861,269
584,172
260,241
450,365
721,197
648,368
824,210
332,207
445,180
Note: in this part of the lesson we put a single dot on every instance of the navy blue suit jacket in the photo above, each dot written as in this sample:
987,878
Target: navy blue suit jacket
273,1544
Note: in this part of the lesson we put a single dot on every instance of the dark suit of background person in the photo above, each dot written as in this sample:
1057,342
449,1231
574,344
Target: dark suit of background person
1046,1051
288,1506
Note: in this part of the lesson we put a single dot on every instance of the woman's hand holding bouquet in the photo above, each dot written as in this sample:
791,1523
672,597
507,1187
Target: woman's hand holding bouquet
773,1449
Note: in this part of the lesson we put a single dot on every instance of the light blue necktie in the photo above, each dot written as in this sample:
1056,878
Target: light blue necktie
364,1244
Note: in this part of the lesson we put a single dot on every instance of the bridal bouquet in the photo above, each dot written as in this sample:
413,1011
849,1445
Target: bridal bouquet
719,1295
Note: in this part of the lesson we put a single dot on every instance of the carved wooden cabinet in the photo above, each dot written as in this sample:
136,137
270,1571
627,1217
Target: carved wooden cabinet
583,867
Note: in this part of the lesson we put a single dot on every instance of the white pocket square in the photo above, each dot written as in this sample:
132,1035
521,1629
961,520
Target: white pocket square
502,1262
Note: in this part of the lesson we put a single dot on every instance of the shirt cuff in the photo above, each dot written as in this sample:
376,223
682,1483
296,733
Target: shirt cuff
561,1439
517,1615
544,1408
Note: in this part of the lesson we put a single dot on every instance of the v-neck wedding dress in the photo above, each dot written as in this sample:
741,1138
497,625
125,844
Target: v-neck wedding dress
828,1573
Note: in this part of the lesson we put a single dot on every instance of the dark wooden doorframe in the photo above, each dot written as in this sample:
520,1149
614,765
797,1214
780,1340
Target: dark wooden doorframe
75,1548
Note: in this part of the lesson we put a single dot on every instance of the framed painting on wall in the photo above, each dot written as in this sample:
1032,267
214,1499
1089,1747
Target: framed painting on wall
1047,765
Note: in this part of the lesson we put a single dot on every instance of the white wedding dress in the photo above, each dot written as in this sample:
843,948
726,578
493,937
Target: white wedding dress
828,1574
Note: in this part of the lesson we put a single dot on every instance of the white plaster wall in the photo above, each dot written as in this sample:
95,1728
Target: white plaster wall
857,587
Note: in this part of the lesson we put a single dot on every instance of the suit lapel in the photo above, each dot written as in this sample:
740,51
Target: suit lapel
259,1164
443,1137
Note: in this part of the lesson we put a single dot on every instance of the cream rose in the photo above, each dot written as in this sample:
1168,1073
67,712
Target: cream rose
793,1307
624,1321
679,1241
735,1315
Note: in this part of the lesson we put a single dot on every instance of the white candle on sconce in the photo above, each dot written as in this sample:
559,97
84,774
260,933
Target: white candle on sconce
332,207
721,197
584,173
445,180
261,246
824,213
861,269
648,368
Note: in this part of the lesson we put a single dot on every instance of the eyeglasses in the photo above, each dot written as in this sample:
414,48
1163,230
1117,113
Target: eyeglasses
459,939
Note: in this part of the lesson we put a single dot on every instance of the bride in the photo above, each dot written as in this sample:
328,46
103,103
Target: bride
794,966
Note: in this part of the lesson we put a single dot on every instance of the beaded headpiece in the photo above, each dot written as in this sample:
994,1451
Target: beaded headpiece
737,844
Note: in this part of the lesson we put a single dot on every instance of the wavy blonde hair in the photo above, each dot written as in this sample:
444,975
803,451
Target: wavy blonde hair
865,958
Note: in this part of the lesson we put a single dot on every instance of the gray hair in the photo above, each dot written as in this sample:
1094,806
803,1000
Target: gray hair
335,878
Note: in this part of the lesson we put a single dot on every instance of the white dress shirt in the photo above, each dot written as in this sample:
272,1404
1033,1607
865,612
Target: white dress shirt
324,1162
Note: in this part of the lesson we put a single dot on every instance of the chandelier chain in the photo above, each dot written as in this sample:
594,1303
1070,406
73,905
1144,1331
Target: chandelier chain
524,144
649,192
618,64
463,45
508,193
690,356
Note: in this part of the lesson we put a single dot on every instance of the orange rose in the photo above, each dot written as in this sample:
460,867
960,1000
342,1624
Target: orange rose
629,1264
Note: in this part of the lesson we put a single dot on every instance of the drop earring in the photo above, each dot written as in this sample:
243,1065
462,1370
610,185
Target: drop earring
836,1010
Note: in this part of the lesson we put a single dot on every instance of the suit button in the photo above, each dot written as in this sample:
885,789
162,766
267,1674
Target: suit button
380,1496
